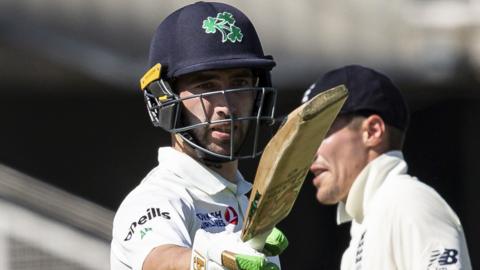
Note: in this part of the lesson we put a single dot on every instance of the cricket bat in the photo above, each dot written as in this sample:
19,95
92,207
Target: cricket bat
285,162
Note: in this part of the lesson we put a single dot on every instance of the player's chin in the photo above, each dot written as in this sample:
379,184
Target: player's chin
220,148
324,197
218,145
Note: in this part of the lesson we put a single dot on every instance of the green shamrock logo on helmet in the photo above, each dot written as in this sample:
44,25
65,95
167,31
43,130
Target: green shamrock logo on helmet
225,24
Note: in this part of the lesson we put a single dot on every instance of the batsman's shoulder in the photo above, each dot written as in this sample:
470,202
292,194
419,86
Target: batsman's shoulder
155,191
160,185
414,200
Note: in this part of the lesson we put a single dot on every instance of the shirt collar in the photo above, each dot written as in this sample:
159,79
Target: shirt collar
367,183
342,215
194,173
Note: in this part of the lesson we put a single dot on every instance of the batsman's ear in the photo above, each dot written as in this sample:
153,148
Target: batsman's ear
373,131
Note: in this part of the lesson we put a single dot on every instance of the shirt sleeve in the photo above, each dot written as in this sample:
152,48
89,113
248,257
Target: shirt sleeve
428,234
146,220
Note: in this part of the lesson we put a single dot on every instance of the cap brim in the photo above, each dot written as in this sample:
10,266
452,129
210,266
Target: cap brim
259,63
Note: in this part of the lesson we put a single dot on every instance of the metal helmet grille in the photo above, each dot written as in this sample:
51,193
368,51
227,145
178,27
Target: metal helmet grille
170,115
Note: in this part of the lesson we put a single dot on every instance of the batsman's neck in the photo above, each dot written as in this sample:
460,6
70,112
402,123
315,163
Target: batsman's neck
227,170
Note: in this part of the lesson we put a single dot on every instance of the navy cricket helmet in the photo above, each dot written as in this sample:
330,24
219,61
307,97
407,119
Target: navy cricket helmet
199,37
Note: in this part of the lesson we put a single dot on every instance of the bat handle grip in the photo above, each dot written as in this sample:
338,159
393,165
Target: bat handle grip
228,260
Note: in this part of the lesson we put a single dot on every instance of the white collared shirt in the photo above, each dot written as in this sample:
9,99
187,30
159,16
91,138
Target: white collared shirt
175,199
399,223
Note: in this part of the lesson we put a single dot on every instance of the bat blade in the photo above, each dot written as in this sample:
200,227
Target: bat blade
286,159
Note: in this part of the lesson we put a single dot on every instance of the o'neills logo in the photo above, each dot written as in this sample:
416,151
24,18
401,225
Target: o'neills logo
151,214
231,215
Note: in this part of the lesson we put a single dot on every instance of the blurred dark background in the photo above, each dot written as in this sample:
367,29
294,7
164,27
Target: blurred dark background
71,113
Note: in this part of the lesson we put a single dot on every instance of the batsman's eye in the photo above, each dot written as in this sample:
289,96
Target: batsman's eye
242,82
201,88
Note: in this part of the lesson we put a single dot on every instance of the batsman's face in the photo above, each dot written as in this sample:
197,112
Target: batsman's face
217,137
339,159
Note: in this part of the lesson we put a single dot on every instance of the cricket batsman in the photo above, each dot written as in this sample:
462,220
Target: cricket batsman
209,86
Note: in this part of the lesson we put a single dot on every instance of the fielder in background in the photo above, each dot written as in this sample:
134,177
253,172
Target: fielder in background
209,86
398,222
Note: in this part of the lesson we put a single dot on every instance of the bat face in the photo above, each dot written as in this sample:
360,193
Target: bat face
275,203
286,159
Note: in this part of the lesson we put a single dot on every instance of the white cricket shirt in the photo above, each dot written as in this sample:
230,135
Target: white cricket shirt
400,223
175,199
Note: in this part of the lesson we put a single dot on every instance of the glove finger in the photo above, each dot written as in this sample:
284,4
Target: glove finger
275,243
249,262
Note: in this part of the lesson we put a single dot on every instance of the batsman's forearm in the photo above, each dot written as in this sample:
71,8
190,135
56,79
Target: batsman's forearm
168,257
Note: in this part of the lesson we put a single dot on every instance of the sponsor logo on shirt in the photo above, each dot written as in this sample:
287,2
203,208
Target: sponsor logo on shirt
442,259
217,218
231,215
212,219
151,213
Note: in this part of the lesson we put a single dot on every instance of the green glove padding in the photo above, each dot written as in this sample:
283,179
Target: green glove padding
248,262
276,243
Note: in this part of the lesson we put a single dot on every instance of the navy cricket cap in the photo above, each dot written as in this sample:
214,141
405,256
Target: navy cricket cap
205,36
369,92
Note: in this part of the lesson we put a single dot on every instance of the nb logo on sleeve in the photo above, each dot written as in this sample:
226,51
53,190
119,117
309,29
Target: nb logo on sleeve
441,259
449,256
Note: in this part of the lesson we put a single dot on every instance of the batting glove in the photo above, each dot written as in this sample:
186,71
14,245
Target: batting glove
208,248
270,243
275,243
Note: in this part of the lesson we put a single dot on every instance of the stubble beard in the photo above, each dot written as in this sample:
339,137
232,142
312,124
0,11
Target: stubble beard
203,135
